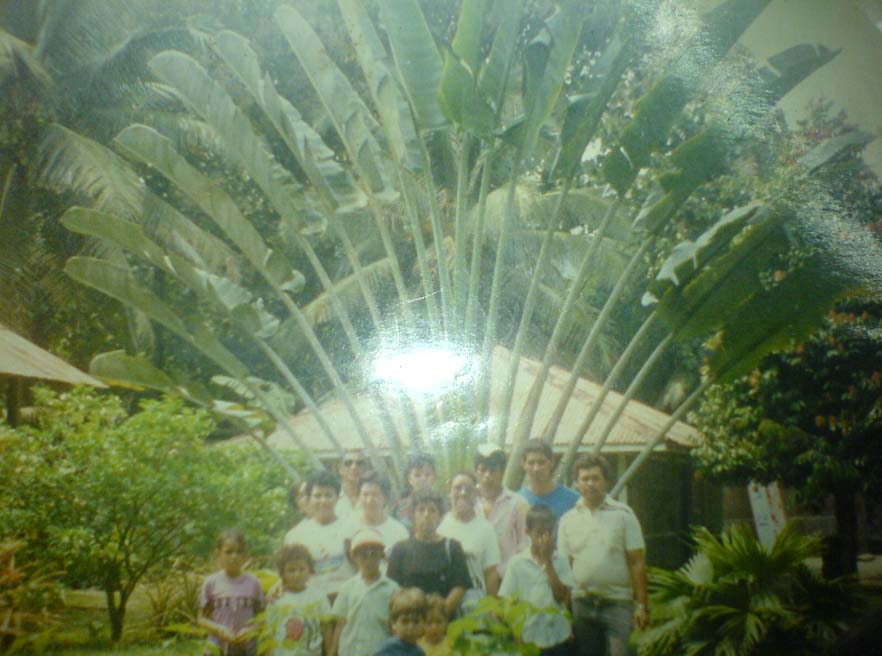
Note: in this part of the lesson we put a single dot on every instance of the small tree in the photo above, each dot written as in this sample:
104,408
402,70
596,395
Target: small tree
109,498
810,417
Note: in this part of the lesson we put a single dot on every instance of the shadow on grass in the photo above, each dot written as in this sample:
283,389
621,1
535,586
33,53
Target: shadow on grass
84,630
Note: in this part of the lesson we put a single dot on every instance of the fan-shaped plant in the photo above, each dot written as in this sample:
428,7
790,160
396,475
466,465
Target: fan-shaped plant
739,597
422,198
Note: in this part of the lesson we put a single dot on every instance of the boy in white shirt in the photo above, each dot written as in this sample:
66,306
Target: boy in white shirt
361,609
542,576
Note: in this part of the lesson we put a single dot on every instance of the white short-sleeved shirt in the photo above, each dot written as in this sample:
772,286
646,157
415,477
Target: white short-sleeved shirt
294,622
596,541
365,607
325,543
478,540
344,508
526,579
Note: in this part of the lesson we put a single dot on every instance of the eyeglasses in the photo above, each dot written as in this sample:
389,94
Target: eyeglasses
350,462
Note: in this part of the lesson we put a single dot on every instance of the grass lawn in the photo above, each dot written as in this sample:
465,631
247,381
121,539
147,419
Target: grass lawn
84,630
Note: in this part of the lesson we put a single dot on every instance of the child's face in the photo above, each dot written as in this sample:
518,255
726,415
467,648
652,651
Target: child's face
368,558
408,626
435,627
426,517
489,478
231,557
421,477
541,538
295,575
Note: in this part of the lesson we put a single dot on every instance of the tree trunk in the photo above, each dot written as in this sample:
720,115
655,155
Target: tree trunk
13,401
116,611
840,550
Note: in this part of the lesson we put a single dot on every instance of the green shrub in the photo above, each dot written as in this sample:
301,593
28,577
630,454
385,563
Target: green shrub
29,599
739,597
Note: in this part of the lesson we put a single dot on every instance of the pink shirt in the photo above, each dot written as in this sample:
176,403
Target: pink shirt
509,519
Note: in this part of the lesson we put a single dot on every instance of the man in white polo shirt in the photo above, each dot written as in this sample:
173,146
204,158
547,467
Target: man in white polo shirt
604,544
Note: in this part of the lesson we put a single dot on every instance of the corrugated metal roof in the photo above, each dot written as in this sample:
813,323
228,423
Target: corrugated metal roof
19,357
636,427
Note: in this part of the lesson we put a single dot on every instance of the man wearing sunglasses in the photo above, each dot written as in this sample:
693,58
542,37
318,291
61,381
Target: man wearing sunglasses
351,468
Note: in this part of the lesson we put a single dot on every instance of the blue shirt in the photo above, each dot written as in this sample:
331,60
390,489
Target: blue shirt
560,499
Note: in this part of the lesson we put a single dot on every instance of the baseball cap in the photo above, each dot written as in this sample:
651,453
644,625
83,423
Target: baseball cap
366,536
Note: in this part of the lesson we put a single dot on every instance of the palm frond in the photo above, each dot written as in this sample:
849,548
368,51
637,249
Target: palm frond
18,60
71,163
320,309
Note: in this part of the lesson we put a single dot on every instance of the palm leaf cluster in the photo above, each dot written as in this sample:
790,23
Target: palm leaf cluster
739,597
419,195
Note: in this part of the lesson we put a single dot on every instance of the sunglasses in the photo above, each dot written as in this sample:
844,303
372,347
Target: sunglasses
349,462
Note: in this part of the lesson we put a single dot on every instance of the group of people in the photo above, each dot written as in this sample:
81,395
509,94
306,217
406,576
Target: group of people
359,577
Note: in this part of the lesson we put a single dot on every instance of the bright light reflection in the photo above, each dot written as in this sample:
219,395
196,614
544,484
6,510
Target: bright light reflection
430,370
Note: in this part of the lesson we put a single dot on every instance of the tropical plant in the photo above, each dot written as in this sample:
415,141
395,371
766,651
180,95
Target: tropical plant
110,499
505,626
428,178
809,417
739,597
29,602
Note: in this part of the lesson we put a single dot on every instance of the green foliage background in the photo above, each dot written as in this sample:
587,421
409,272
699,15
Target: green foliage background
108,498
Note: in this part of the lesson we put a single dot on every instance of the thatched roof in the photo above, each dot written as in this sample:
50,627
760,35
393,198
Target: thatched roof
19,357
637,426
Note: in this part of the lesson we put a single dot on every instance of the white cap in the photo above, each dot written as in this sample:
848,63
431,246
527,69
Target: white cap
366,536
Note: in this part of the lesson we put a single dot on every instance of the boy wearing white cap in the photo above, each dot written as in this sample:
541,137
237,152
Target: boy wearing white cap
361,609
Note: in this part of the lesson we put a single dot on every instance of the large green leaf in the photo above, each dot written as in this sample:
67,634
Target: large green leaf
416,58
208,99
315,158
391,107
120,369
352,119
707,155
459,95
659,108
715,295
71,162
506,18
687,258
791,66
16,57
697,160
118,282
583,113
546,62
786,313
152,148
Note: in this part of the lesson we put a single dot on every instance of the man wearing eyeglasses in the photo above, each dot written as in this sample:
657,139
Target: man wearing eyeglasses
351,468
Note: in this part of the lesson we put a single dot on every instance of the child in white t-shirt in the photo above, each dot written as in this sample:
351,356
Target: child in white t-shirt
541,575
361,609
297,621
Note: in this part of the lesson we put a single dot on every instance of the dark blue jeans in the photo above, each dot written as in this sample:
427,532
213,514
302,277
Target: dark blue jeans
602,627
